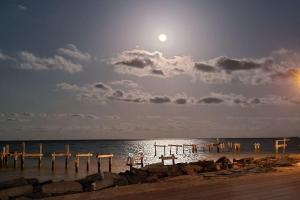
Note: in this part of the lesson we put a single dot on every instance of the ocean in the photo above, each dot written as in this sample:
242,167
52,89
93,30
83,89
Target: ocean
121,149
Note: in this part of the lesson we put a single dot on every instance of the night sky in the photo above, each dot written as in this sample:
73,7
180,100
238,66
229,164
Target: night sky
98,70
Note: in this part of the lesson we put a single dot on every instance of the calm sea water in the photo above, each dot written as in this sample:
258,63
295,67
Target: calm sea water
121,149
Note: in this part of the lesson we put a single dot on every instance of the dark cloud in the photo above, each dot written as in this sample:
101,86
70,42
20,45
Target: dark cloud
140,96
160,99
157,72
204,67
139,62
278,66
118,94
180,101
229,64
210,100
102,86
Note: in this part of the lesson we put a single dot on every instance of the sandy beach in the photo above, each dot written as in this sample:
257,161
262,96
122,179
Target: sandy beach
281,184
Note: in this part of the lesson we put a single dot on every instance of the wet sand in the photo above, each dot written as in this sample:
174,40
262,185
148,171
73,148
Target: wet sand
282,184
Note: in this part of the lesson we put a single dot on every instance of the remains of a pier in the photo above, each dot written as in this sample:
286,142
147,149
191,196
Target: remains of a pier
109,156
163,158
280,144
135,161
83,155
38,155
66,154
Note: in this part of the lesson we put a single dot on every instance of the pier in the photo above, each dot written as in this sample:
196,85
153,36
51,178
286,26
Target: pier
66,155
107,156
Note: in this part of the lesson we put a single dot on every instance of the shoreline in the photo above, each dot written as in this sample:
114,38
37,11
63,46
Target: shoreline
152,177
284,183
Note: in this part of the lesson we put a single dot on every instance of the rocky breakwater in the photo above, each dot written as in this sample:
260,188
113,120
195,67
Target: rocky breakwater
33,189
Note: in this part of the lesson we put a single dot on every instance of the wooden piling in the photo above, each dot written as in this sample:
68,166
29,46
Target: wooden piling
40,156
109,163
77,162
101,156
163,158
65,154
53,162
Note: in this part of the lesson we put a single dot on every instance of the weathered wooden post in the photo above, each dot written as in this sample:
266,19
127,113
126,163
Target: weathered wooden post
109,163
6,154
173,159
15,159
155,149
40,156
142,161
99,165
53,162
23,155
88,160
3,157
77,163
67,157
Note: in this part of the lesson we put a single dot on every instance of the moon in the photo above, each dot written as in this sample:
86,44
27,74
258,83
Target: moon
162,37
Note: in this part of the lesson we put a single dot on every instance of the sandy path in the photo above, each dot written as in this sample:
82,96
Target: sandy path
284,184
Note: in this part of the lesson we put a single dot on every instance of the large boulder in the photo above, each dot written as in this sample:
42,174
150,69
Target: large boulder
15,191
106,182
156,169
244,161
224,163
284,162
62,187
174,170
88,180
191,169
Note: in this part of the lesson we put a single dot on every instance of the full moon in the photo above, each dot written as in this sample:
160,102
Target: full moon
162,37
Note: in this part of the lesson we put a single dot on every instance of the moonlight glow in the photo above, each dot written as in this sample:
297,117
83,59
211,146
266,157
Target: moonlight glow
162,37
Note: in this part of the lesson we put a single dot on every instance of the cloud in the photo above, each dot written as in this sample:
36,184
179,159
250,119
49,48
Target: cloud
144,63
160,99
280,66
68,59
22,7
29,61
72,51
106,93
125,83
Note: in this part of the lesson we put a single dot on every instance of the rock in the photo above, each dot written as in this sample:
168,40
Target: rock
285,162
134,179
88,180
157,169
13,183
62,187
224,163
106,182
174,170
15,191
212,167
191,169
120,180
203,163
244,161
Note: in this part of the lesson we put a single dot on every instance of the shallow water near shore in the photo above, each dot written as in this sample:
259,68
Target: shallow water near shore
121,149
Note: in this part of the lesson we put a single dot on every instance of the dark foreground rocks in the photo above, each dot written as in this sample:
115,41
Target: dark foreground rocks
26,189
